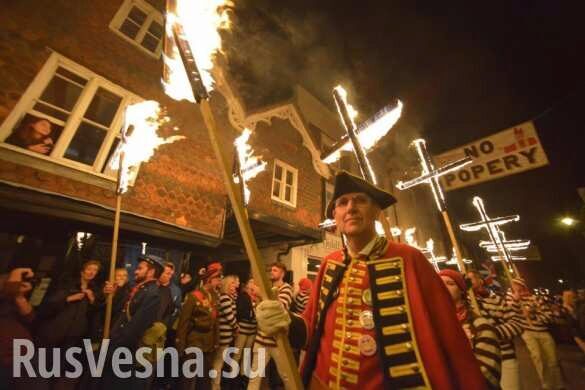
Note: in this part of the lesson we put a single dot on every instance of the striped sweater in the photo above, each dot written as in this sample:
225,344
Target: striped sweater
300,302
534,314
284,295
227,320
486,348
505,319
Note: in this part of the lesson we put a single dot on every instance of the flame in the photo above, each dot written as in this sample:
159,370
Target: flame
512,258
492,225
409,237
371,131
250,165
139,145
201,22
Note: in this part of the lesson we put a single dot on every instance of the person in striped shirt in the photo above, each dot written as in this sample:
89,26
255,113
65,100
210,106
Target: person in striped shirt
283,292
302,296
536,316
227,325
478,328
507,324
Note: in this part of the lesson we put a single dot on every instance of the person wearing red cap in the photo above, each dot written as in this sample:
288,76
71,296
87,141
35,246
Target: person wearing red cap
478,328
302,296
197,326
379,315
536,316
507,324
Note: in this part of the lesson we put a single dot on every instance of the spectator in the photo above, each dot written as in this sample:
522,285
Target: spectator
33,134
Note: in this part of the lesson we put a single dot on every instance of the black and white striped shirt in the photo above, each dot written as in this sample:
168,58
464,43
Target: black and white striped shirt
486,348
227,320
300,302
284,296
505,320
539,316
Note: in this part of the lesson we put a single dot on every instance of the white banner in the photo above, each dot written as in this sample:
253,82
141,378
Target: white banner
505,153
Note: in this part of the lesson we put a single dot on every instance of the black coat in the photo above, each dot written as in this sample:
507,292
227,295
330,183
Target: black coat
62,323
138,316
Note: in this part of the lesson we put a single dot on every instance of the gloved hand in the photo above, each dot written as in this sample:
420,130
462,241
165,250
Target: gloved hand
272,317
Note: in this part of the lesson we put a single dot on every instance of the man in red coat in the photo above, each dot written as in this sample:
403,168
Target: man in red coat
379,316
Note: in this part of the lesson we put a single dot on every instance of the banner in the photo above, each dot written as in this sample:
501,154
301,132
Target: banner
505,153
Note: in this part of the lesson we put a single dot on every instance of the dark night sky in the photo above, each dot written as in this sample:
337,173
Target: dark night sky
463,70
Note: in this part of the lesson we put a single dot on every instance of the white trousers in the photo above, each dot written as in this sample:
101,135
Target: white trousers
543,352
510,375
270,353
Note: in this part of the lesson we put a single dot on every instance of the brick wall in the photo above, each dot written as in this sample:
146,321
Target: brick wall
282,141
181,184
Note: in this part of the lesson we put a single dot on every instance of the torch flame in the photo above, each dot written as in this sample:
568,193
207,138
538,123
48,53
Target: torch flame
139,145
201,22
250,165
369,132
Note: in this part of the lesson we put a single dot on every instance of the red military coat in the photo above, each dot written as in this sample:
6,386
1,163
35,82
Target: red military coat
405,335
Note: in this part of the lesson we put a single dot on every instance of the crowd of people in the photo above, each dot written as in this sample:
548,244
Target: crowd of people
376,316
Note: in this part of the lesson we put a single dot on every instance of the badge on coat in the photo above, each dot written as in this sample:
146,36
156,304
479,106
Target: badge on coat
367,320
367,345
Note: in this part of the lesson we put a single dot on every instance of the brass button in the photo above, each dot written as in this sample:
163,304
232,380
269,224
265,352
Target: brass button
349,322
348,335
349,300
345,362
399,292
347,347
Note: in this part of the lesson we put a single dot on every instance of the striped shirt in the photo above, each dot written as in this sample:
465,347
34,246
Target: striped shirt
505,320
486,348
539,312
227,320
300,302
284,295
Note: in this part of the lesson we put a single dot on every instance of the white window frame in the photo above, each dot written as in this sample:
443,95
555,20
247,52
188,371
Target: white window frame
294,190
152,15
35,90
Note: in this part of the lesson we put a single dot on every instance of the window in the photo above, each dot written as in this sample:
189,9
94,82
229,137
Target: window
68,115
141,24
284,183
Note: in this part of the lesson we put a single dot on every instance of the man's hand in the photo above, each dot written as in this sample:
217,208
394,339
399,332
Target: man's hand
272,317
90,295
75,297
18,274
109,288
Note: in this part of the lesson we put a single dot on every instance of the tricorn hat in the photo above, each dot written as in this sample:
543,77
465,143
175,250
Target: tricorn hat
346,183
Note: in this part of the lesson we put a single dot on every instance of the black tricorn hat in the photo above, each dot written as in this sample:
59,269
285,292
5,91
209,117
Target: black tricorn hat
156,261
346,183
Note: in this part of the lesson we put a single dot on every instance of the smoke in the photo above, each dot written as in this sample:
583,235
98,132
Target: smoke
271,49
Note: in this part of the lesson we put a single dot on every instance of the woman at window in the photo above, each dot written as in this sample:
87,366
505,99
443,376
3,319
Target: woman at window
33,134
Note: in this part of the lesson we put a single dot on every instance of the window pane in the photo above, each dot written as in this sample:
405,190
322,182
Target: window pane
85,144
156,29
106,167
129,28
289,178
276,190
41,107
288,193
137,15
150,43
61,93
71,76
103,107
277,172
